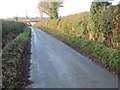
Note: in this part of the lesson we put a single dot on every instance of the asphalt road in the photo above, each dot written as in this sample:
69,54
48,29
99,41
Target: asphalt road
55,65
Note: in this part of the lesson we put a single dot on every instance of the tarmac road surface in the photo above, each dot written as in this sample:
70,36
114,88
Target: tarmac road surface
56,65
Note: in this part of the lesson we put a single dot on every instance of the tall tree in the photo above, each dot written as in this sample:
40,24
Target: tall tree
50,7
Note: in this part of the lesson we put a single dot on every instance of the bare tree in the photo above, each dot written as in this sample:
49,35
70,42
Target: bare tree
50,7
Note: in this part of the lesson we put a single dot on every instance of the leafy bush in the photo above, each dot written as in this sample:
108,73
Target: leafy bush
104,19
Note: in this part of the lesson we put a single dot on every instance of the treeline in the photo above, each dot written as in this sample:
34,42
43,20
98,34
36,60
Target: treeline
101,24
11,29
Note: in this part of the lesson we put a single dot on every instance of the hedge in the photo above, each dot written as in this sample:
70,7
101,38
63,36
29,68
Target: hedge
101,24
10,30
11,60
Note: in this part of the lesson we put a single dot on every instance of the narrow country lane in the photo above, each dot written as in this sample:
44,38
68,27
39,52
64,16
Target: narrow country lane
55,65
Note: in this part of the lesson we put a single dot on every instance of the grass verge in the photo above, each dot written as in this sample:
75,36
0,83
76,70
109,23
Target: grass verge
98,52
12,59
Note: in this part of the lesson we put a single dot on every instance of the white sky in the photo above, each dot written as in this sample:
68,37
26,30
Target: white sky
11,8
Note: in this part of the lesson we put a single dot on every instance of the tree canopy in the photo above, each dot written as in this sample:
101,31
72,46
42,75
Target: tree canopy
50,7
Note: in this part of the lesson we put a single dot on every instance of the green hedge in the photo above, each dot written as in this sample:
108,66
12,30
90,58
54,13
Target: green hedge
10,29
99,50
104,19
11,59
101,24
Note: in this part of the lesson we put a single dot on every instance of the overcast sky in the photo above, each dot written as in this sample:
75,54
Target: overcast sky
11,8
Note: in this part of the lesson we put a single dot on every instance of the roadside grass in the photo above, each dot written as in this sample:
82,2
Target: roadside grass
11,59
24,36
97,49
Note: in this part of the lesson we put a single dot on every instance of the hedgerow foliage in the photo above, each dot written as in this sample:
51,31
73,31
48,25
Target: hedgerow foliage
12,59
10,29
101,24
104,18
